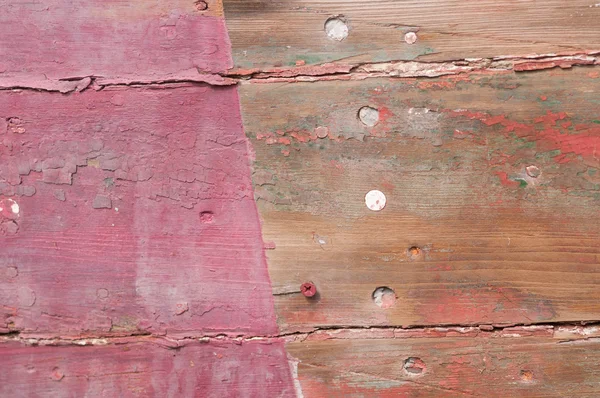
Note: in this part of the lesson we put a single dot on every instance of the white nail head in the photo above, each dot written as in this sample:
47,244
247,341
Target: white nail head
368,116
410,38
336,29
375,200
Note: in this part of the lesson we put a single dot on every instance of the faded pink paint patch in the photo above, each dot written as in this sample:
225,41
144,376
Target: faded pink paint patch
177,222
59,39
478,305
145,369
136,210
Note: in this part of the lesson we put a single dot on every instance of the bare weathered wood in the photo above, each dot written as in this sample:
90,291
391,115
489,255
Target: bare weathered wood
450,366
268,33
492,178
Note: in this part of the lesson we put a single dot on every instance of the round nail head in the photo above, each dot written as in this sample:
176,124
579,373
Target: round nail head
336,28
410,38
368,116
375,200
533,171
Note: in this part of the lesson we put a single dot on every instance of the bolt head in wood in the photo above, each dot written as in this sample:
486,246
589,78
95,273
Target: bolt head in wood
308,289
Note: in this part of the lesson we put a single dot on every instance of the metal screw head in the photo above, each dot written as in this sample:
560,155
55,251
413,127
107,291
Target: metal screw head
308,289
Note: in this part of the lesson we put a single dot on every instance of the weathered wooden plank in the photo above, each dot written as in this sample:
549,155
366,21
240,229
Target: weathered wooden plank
145,369
129,210
492,178
139,40
268,34
532,366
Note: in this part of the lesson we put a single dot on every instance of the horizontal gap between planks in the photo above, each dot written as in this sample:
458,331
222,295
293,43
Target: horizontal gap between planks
313,73
563,331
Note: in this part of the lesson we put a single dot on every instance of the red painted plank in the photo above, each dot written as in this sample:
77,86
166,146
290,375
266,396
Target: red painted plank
135,214
144,369
128,211
55,39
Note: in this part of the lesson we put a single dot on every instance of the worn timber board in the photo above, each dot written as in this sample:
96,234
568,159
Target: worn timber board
267,34
448,363
497,245
145,368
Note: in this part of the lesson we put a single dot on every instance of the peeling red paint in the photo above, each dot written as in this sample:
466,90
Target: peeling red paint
561,62
549,131
504,180
300,70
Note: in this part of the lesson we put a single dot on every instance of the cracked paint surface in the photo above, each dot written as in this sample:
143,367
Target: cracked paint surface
128,212
137,170
105,196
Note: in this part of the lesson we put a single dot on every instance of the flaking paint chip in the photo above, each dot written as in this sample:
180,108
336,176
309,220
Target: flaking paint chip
102,202
375,200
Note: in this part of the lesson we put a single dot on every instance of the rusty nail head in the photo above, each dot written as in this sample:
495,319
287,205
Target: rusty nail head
308,289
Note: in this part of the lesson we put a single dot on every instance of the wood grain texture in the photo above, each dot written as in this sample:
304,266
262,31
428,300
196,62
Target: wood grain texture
135,40
534,366
267,34
134,214
451,154
145,369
